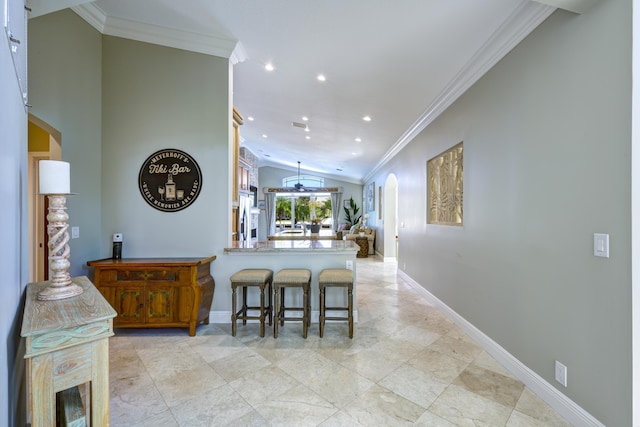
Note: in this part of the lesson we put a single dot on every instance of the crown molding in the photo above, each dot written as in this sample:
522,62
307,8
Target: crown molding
164,36
576,6
525,18
92,14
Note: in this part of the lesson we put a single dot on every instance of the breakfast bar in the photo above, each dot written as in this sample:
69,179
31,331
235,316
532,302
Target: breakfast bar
314,255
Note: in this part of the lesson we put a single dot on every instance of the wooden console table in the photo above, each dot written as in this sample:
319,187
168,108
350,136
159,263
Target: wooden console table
67,344
157,292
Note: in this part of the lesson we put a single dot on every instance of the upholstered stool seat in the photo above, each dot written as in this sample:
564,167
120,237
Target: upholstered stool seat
262,278
331,278
288,278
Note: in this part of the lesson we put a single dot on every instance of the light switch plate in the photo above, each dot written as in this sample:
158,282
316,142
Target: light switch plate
601,245
75,232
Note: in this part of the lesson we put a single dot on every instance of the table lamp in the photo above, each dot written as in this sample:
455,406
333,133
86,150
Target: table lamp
54,178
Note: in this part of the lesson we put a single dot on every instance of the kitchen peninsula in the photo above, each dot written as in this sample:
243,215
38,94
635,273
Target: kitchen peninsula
314,255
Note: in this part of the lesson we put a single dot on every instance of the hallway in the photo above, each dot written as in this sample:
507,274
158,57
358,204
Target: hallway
406,365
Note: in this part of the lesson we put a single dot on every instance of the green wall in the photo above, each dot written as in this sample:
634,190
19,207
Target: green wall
547,144
65,78
154,98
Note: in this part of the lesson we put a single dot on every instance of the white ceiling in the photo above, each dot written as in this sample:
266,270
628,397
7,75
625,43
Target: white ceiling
400,62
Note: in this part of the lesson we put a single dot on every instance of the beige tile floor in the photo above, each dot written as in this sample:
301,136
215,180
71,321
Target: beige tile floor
406,365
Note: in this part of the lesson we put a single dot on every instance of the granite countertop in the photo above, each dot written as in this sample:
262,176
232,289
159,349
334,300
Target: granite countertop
297,246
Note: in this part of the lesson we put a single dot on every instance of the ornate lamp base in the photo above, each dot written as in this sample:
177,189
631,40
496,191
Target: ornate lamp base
61,286
52,292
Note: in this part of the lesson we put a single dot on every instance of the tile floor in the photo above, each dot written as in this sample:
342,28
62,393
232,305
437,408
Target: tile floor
406,365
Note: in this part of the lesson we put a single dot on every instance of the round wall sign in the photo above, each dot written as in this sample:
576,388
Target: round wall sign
170,180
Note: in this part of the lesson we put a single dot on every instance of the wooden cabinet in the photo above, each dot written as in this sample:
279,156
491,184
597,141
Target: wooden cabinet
244,174
235,186
157,292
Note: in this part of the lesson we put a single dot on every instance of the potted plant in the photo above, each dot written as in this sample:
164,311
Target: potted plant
315,225
351,213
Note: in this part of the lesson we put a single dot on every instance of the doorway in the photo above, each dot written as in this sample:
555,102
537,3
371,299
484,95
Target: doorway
391,218
45,143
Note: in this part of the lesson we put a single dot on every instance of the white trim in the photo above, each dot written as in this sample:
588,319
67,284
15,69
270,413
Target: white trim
155,34
526,17
566,407
92,14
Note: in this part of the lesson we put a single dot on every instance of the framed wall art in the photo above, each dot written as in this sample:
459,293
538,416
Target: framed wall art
371,197
444,187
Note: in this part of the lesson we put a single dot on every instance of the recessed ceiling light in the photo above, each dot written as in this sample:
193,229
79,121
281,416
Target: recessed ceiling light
358,140
307,129
250,118
366,118
264,135
307,137
322,78
354,153
305,118
269,66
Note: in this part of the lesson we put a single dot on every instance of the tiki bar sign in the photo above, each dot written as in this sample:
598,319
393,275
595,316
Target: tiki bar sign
170,180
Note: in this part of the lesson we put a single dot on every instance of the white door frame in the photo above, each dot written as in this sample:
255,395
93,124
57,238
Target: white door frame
390,218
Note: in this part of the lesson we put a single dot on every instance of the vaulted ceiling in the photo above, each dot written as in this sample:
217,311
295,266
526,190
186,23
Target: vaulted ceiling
401,63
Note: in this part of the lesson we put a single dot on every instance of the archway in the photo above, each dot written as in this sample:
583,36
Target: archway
391,218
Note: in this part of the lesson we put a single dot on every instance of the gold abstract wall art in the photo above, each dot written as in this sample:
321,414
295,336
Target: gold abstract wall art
444,187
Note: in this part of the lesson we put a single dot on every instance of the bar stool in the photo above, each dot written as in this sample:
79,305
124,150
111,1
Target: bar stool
334,278
289,278
261,278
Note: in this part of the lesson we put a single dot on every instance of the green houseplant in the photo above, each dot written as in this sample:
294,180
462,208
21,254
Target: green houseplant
351,213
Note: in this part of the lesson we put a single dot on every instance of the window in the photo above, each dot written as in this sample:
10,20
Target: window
302,208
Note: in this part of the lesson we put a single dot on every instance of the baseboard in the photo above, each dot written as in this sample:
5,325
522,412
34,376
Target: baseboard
566,407
225,317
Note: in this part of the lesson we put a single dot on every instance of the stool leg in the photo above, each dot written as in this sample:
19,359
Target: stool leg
244,305
322,308
277,312
350,291
305,311
309,304
270,304
282,309
262,312
233,311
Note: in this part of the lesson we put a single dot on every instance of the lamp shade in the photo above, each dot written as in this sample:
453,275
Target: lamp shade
54,177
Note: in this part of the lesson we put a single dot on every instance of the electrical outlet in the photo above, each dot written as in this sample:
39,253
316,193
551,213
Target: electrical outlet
349,264
561,373
75,232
